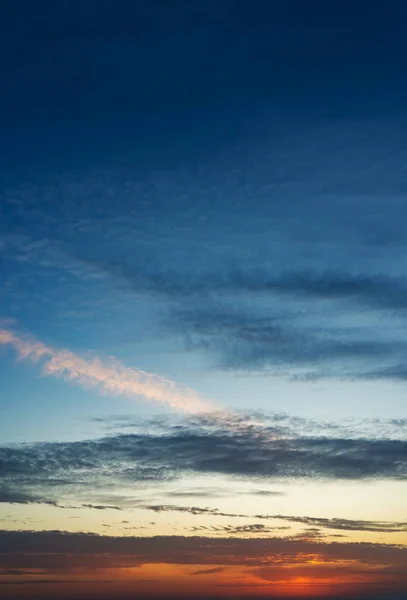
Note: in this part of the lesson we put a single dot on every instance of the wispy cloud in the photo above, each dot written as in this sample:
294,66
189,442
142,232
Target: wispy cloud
111,377
251,529
312,522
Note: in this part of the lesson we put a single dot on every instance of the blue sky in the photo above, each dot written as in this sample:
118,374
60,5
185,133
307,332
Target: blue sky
207,200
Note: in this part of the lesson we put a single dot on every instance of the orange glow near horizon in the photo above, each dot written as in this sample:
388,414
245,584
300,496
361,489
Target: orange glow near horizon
163,579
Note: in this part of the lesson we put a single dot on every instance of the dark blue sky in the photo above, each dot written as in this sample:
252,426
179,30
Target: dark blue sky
236,168
218,181
189,78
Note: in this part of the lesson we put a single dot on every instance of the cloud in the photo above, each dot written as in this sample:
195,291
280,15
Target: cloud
209,492
374,290
193,510
251,529
28,550
374,569
278,424
83,472
312,522
208,571
12,496
265,493
287,322
293,342
30,582
110,378
100,506
348,524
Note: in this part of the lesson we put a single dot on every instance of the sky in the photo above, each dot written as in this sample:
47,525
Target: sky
203,294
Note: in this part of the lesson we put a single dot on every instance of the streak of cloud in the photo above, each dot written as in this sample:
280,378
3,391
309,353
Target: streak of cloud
111,377
312,522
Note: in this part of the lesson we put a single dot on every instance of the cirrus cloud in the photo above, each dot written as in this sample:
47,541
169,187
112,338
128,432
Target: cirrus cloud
110,377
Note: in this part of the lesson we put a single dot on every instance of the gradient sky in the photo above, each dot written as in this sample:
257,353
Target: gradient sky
203,327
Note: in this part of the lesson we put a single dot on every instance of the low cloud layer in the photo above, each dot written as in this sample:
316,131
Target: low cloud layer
49,556
18,549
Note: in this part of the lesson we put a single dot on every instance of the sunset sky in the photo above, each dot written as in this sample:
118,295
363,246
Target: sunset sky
203,299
